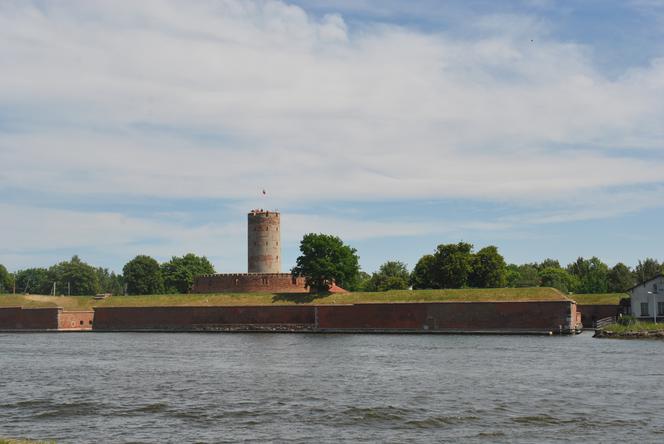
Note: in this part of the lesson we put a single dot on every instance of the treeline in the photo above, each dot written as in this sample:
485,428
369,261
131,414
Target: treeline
141,275
325,260
459,266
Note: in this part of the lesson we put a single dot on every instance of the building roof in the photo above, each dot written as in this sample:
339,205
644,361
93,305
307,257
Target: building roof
657,276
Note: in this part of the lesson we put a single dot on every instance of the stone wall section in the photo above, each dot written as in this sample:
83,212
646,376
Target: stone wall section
17,318
76,320
542,317
197,318
249,283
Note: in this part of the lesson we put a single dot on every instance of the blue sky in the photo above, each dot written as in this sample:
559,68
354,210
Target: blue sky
152,127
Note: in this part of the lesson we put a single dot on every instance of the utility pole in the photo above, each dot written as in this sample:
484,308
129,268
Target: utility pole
54,286
68,288
14,275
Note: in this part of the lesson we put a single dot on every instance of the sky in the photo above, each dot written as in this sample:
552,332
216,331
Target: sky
153,127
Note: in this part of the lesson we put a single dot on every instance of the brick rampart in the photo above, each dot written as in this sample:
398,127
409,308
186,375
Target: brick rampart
412,317
461,316
191,318
591,313
76,320
249,283
17,318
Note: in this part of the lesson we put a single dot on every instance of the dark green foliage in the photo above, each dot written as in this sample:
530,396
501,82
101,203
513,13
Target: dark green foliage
647,269
558,278
33,280
74,277
456,266
6,280
620,278
452,265
179,272
142,275
512,275
592,275
325,260
109,282
392,275
360,283
488,269
528,276
548,263
422,275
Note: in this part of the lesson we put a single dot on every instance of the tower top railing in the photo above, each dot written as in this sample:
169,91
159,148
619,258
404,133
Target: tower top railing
260,211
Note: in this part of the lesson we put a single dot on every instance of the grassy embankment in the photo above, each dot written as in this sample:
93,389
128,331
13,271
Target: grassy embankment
598,299
634,327
234,299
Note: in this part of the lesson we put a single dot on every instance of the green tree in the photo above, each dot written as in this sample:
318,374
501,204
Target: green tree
548,263
529,276
488,269
592,275
325,260
621,278
392,275
647,269
512,275
6,280
179,272
361,282
558,278
142,275
452,265
109,282
422,275
74,277
33,280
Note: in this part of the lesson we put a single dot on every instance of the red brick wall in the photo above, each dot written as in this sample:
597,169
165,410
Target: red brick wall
249,283
182,318
485,316
14,318
449,316
76,320
590,313
372,316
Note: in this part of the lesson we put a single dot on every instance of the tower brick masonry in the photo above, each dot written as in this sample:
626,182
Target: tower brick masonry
263,260
263,242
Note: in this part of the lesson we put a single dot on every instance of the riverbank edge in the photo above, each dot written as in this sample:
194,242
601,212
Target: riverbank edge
643,334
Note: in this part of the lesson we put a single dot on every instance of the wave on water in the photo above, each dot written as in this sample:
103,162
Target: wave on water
70,409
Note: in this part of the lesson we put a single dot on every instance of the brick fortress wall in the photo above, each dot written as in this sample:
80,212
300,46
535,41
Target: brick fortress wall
249,283
554,316
45,319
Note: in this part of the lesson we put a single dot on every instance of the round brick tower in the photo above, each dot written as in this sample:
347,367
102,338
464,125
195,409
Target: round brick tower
264,251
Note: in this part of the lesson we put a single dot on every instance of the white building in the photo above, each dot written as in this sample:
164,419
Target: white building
648,299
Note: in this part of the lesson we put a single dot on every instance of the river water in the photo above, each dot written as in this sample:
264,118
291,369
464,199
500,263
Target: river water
157,388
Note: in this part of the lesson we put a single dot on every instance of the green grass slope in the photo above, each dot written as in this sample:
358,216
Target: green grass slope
598,299
234,299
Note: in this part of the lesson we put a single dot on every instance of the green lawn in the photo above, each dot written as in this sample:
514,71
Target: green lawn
598,299
634,327
464,295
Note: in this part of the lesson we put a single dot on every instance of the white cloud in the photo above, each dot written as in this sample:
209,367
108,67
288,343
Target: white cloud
222,98
295,100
